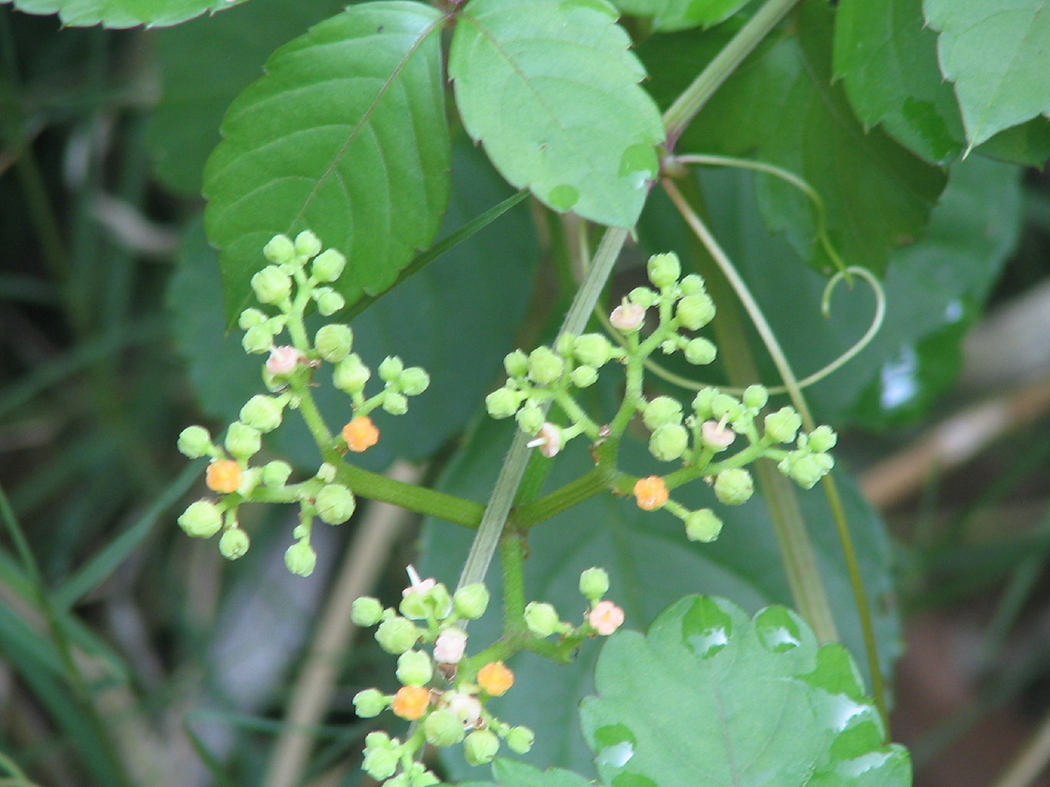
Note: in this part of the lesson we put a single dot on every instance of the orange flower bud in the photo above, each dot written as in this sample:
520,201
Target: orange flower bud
650,492
360,434
495,678
224,475
410,702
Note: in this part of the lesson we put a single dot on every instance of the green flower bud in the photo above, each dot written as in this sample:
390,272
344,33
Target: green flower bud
520,739
700,351
396,635
703,525
691,285
783,425
664,269
271,285
234,543
333,342
563,346
725,406
516,364
822,439
335,504
307,245
661,410
702,402
594,583
545,367
195,442
592,349
419,604
262,413
370,703
328,303
643,296
584,376
471,601
502,403
734,486
695,311
542,618
395,403
257,339
242,441
413,381
279,250
806,469
480,747
390,369
380,764
755,397
276,474
668,442
530,419
366,611
414,668
442,728
201,520
250,318
300,558
350,374
418,776
328,266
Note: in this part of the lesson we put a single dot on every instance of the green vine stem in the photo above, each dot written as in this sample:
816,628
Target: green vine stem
681,113
830,488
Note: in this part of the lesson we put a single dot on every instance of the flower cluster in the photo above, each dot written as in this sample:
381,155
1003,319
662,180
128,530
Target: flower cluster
442,691
299,274
700,440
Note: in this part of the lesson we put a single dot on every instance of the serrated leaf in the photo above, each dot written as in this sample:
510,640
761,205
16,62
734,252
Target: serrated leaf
887,59
712,697
669,15
465,305
651,564
996,54
122,13
551,90
782,108
204,65
346,135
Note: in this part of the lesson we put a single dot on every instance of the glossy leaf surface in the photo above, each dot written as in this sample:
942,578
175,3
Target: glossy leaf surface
552,92
713,697
122,13
651,564
204,65
996,54
670,15
345,135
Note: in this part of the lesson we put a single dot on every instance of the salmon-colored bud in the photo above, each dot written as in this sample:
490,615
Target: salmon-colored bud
223,475
360,434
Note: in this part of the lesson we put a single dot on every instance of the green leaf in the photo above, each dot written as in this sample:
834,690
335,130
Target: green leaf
887,59
550,88
781,107
122,13
996,56
651,564
712,697
204,65
456,318
510,773
346,135
671,15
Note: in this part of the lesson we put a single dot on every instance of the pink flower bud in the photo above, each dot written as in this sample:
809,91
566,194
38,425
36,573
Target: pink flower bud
627,317
605,618
717,435
549,440
465,707
283,359
449,646
418,585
